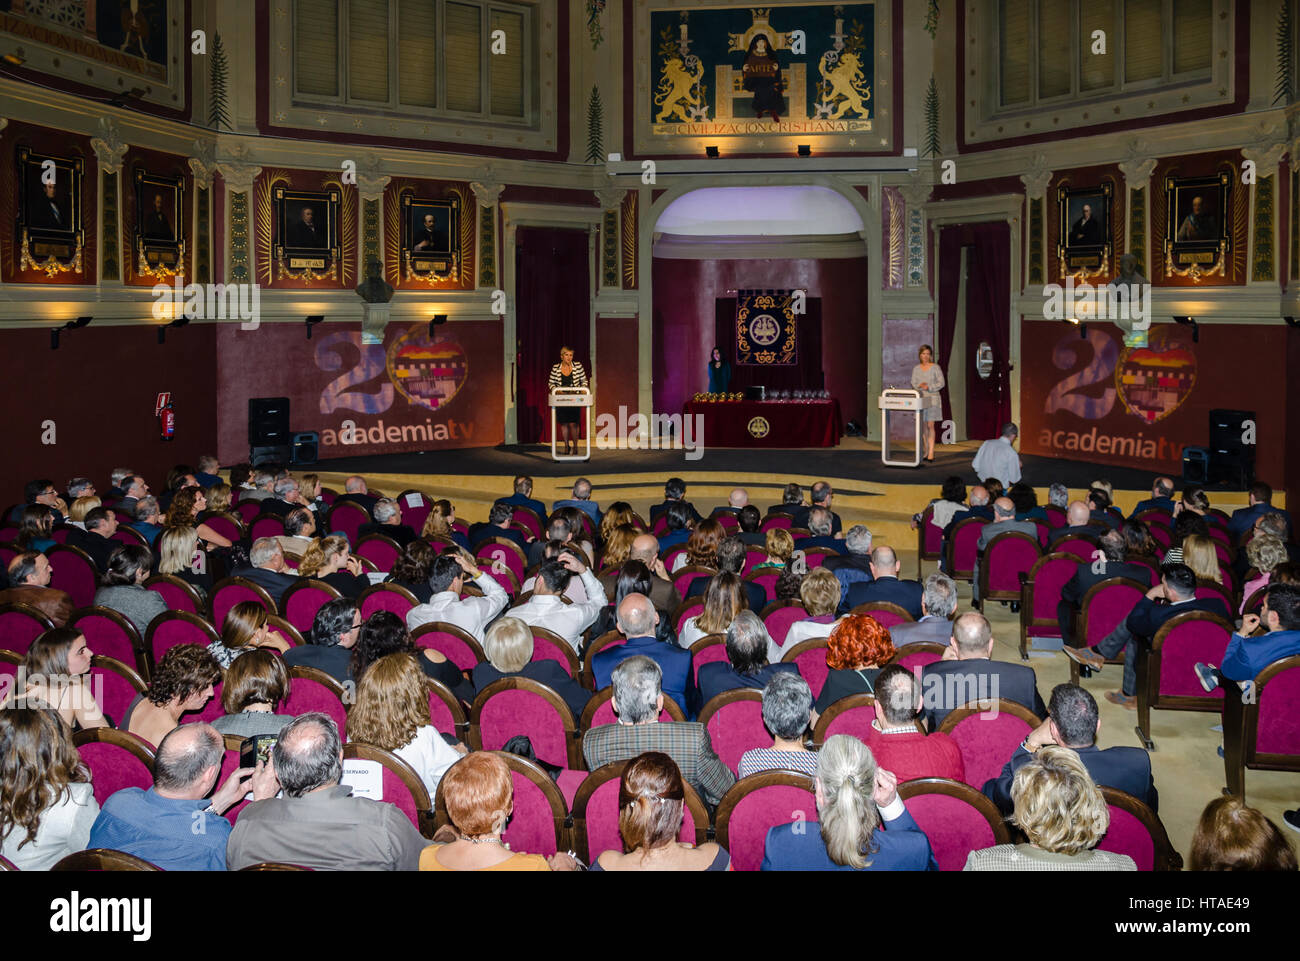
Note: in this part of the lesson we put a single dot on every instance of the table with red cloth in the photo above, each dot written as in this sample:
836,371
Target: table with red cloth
768,423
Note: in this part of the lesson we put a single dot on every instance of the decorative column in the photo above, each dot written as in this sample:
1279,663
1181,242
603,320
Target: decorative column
486,196
1266,155
239,179
611,202
203,165
1036,181
109,151
915,197
370,191
1137,170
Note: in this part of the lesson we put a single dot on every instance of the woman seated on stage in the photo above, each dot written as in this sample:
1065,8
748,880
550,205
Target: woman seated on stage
780,547
702,546
723,600
567,373
439,523
411,570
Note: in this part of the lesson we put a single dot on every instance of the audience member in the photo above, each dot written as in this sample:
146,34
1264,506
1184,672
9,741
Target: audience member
56,668
523,497
206,475
1247,655
266,569
286,497
731,560
951,499
1186,524
581,499
29,583
547,608
679,524
412,568
938,605
637,621
179,555
1233,837
675,493
1263,553
245,629
1078,523
633,578
819,531
968,673
299,532
702,546
78,510
897,743
148,519
1089,573
885,584
441,524
724,598
254,686
1004,522
787,715
97,538
388,522
819,593
856,650
123,587
184,680
330,641
557,530
117,480
1260,500
749,520
329,559
854,565
497,526
1162,497
186,506
508,646
135,489
747,664
178,478
446,582
42,491
737,500
384,633
356,492
822,495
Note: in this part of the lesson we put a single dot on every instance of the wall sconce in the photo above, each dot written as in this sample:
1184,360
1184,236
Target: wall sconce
805,150
312,321
178,322
1190,322
70,325
437,321
711,152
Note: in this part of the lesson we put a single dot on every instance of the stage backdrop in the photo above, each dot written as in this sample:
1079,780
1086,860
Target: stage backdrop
1095,400
789,369
409,394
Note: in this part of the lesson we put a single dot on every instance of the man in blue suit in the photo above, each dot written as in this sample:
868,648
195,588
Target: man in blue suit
581,499
1261,502
885,585
1073,721
523,497
1162,498
637,619
1246,656
969,673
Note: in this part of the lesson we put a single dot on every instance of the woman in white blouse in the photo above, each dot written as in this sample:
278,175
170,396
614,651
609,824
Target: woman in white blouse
927,377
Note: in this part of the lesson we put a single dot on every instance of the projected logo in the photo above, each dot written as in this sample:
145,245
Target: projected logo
1155,380
425,370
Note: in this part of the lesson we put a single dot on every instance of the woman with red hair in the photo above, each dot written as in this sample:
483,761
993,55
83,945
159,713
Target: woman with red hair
702,546
858,648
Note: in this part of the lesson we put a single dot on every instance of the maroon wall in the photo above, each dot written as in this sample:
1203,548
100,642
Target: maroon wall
684,295
99,389
616,371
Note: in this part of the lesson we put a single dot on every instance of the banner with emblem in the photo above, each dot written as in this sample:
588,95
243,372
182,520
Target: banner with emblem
767,329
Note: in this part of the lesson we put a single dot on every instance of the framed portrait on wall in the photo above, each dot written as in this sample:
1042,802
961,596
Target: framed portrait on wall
430,236
49,226
1196,238
307,233
159,224
1085,248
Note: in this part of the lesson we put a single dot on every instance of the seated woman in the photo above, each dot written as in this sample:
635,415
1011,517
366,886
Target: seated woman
508,645
1233,837
862,822
651,807
746,664
789,583
79,508
787,715
581,539
1025,498
616,515
245,629
819,591
412,568
1199,554
184,512
35,525
218,498
859,647
299,530
723,600
183,681
1185,524
47,804
702,546
123,587
392,712
633,578
329,559
439,524
1194,500
479,794
1138,542
57,666
1264,553
180,556
255,686
1063,814
385,633
310,488
779,545
951,499
618,546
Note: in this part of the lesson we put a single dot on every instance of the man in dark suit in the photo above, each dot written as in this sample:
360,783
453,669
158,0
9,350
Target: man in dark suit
581,499
498,525
638,699
1110,564
1162,498
968,673
286,498
1073,721
96,540
1174,595
1099,510
885,585
29,577
48,212
675,493
819,526
731,558
355,490
156,224
388,521
737,500
329,644
746,665
938,605
266,568
854,566
42,491
428,238
1085,231
306,232
637,621
750,522
1078,520
556,530
677,517
1004,521
821,495
523,497
1261,502
663,594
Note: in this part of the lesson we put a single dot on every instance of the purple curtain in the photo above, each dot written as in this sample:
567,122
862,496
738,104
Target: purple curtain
950,245
551,293
806,374
988,306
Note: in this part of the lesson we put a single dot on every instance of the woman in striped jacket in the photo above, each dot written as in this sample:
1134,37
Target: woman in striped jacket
567,373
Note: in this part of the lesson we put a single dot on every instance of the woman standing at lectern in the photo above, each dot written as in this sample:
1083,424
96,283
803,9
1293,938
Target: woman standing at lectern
567,373
927,377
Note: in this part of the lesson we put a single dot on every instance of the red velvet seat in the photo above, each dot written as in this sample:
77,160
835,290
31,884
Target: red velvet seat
1040,591
709,649
301,601
236,590
1135,830
1262,730
519,705
380,549
247,510
284,630
549,646
987,733
595,814
929,539
452,642
757,803
74,572
965,534
265,525
685,610
918,654
608,639
815,557
734,720
1006,557
129,535
229,526
102,859
177,594
115,685
445,710
1055,516
776,519
345,517
886,613
810,658
109,634
1107,604
416,508
780,615
765,578
687,575
955,817
20,625
400,785
1165,676
116,760
1082,546
311,689
528,519
387,597
497,552
753,557
850,715
171,628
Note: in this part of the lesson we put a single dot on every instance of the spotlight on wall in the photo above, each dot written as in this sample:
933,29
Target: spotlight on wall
1083,328
14,59
437,321
1190,322
711,152
70,325
178,322
805,150
1292,321
312,321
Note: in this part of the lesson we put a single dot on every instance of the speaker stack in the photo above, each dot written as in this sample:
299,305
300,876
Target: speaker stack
1232,461
269,439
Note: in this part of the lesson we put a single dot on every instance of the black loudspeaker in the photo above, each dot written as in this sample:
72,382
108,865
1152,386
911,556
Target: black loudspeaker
1232,457
278,454
1196,466
306,447
268,422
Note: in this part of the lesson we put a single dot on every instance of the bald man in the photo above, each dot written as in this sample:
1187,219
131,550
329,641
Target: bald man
1078,519
637,620
885,584
738,498
968,673
664,596
355,490
1004,521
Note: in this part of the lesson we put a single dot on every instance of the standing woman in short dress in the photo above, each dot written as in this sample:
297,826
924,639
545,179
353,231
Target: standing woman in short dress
927,377
567,373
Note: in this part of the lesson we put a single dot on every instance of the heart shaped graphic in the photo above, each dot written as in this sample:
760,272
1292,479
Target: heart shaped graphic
1153,381
427,371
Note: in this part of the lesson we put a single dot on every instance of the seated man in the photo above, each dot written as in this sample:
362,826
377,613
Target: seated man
557,529
472,614
318,824
148,519
736,500
853,566
135,489
498,525
896,742
1246,656
207,475
581,499
523,497
819,527
286,497
821,495
1099,510
750,522
1162,498
938,605
387,516
41,491
1089,573
968,673
97,539
747,663
354,490
1073,721
677,516
885,584
178,478
1004,521
266,568
335,631
117,483
1174,595
1078,520
1260,499
299,531
29,583
546,608
553,550
675,493
263,488
637,621
638,699
731,559
174,824
80,487
663,594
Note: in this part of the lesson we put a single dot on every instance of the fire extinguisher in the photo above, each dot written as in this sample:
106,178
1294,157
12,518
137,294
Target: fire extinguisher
167,421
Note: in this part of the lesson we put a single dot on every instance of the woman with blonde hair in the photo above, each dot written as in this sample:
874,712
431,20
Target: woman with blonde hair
702,546
1199,554
439,523
819,592
724,598
480,797
508,646
184,511
651,807
1233,837
1064,816
779,545
244,630
80,508
618,513
180,556
618,546
1264,553
392,712
218,497
330,559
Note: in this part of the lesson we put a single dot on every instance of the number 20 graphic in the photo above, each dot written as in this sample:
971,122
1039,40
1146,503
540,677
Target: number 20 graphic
371,363
1065,395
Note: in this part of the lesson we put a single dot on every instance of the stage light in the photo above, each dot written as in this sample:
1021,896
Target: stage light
1190,322
805,150
15,59
180,321
437,321
70,325
312,321
711,152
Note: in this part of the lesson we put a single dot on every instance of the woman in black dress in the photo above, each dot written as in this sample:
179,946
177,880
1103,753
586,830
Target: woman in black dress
567,373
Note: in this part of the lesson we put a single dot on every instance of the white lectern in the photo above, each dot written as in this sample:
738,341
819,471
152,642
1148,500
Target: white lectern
902,401
571,397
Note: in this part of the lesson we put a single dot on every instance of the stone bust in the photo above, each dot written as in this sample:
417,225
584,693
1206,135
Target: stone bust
374,289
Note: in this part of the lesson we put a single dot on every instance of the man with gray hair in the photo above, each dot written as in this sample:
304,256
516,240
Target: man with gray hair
1004,522
207,475
885,584
968,673
581,499
896,742
148,519
266,568
998,457
80,487
117,482
318,824
286,497
853,566
663,594
388,522
938,605
822,495
356,491
638,699
263,487
747,665
174,824
819,529
637,621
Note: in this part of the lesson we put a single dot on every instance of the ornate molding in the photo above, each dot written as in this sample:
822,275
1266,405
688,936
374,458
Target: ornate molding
1037,177
239,176
203,164
1267,153
916,194
1137,165
487,193
370,182
108,146
611,198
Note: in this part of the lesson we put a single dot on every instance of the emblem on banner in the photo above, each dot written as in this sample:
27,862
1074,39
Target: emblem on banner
758,427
